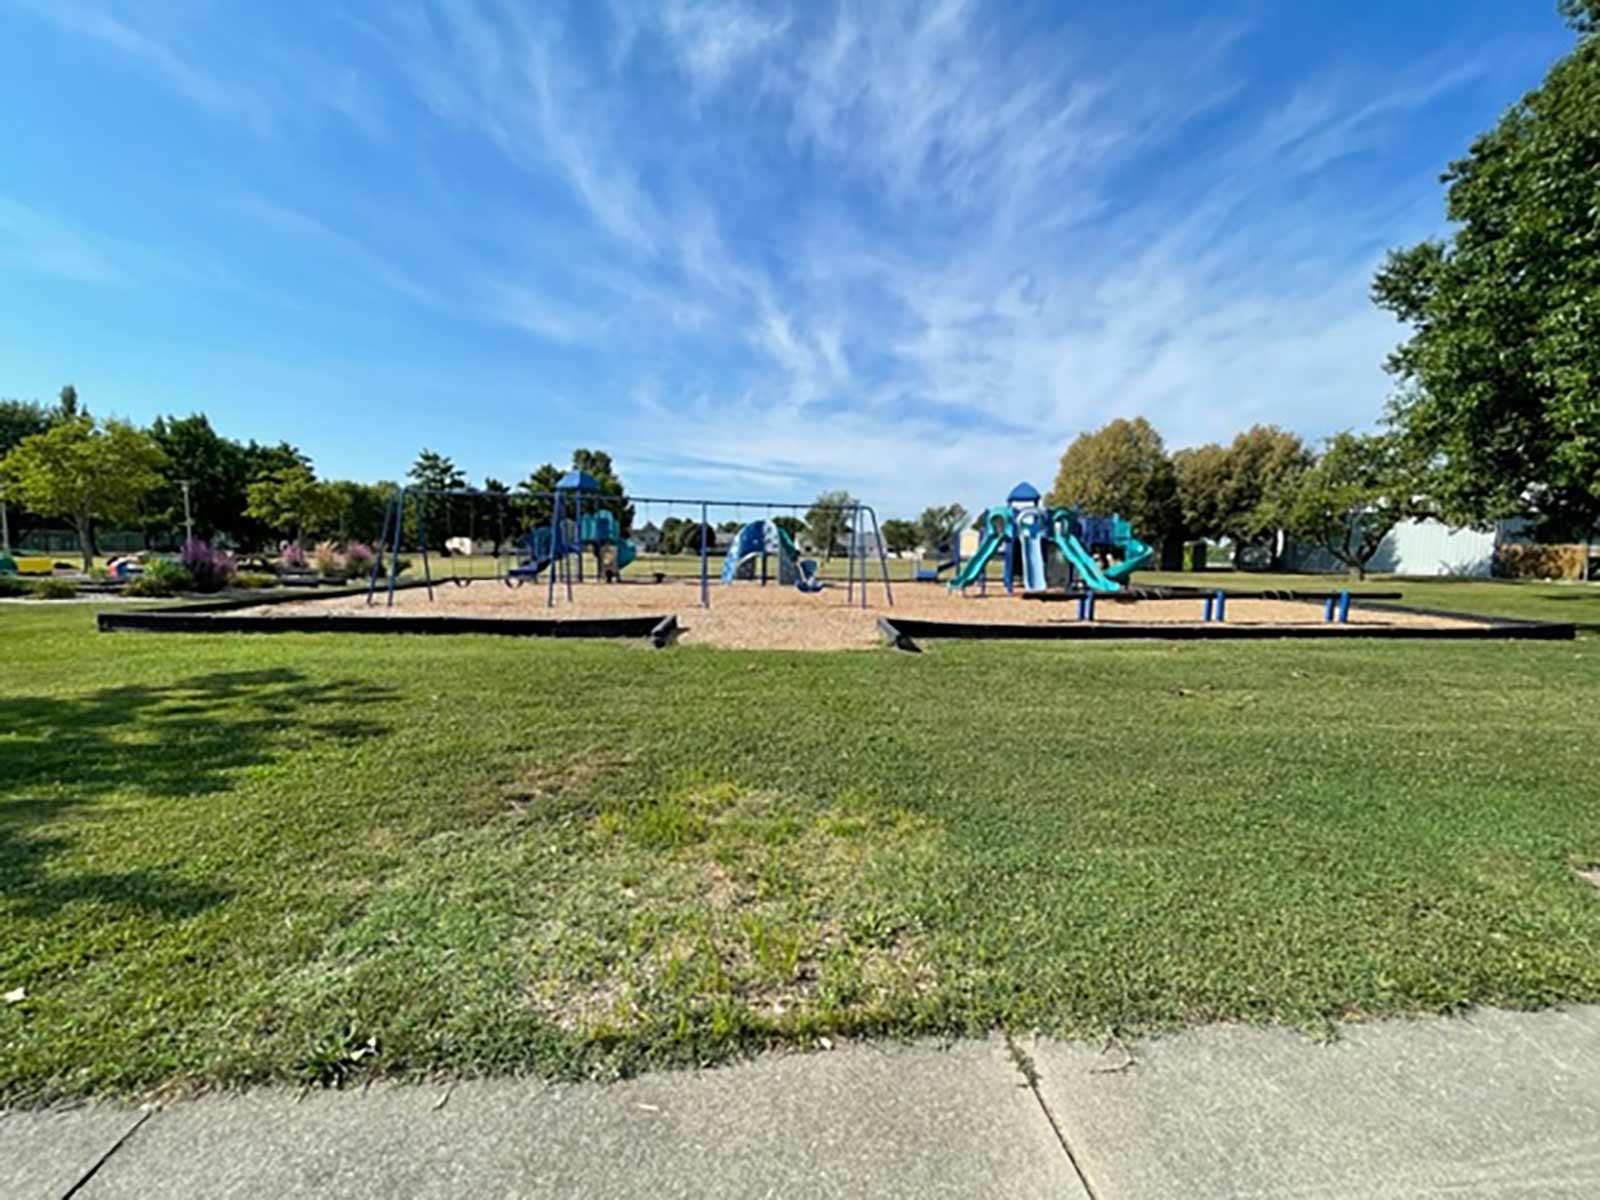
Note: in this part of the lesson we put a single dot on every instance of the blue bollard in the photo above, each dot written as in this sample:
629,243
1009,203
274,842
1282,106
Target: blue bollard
1209,601
1344,607
1222,606
1327,608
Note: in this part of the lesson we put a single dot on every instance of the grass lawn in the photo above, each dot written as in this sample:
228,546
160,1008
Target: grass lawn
231,859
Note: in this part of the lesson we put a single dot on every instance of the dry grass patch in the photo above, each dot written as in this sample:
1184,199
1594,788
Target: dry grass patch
744,908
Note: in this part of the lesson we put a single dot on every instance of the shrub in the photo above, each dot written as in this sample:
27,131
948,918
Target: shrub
292,557
358,558
161,577
10,585
209,568
328,559
55,589
255,579
1519,561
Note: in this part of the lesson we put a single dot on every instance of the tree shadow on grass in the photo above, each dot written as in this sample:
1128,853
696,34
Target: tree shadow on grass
166,742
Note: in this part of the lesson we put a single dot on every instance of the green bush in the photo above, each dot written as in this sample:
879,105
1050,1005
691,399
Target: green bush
161,577
255,579
10,585
55,589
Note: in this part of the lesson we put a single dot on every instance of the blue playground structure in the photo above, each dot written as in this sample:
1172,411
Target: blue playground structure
759,541
584,519
571,532
1022,530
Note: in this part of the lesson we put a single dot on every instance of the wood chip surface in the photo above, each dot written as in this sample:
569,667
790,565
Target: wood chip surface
749,616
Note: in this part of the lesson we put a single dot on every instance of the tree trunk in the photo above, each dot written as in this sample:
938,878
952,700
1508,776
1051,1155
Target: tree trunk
1358,571
85,524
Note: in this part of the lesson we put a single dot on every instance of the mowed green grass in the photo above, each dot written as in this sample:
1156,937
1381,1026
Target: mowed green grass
307,858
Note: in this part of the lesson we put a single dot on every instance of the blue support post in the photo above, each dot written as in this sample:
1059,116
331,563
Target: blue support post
552,563
422,542
394,553
705,585
1327,608
1206,608
850,562
1344,607
883,560
1222,606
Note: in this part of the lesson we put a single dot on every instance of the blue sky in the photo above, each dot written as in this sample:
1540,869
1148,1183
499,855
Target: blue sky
752,249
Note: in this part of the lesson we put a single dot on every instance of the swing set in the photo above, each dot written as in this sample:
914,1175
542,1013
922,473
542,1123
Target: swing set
584,519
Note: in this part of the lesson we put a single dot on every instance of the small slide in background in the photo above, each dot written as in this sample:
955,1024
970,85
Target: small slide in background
1088,570
973,567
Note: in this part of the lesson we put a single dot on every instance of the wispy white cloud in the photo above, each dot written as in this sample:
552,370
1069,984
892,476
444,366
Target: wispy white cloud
192,83
911,248
292,222
34,241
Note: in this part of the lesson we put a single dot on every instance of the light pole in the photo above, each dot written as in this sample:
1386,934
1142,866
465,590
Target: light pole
5,525
188,518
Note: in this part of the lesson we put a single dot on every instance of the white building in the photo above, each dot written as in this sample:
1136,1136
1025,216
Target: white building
1425,547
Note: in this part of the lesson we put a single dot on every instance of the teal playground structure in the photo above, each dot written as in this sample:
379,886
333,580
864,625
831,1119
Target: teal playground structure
1023,531
759,541
591,531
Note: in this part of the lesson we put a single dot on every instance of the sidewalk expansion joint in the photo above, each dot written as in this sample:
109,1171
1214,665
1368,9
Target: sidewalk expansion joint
106,1157
1030,1076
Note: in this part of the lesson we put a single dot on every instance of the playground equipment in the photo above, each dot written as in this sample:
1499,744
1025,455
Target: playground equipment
761,540
557,547
1019,531
571,534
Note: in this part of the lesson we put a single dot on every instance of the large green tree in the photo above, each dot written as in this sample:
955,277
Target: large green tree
217,471
1239,491
900,537
1500,379
826,524
84,470
1122,468
1359,489
431,473
598,463
20,419
294,503
939,525
533,502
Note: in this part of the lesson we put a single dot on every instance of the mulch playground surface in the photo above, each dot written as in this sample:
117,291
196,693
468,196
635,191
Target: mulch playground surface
749,616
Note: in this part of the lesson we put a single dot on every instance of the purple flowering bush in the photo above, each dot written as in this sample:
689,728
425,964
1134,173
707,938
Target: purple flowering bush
358,558
292,556
209,566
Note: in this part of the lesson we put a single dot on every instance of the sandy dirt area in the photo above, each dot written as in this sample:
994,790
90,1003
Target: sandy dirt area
748,616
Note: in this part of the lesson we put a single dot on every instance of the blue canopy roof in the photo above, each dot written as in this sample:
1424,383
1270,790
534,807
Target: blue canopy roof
578,481
1023,493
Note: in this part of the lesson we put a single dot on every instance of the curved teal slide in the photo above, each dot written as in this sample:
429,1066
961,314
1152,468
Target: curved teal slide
1134,555
973,567
1088,570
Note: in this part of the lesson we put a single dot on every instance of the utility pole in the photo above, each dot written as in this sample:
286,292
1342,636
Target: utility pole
188,518
5,526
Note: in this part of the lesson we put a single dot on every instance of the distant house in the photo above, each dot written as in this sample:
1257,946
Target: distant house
1425,547
647,538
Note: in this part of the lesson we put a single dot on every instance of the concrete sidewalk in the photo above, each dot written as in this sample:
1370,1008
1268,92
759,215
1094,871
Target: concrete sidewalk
1498,1104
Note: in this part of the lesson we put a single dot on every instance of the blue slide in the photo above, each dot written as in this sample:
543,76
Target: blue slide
1033,562
1088,570
973,567
1135,554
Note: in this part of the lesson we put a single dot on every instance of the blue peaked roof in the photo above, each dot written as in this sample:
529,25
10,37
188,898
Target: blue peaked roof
578,481
1023,493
